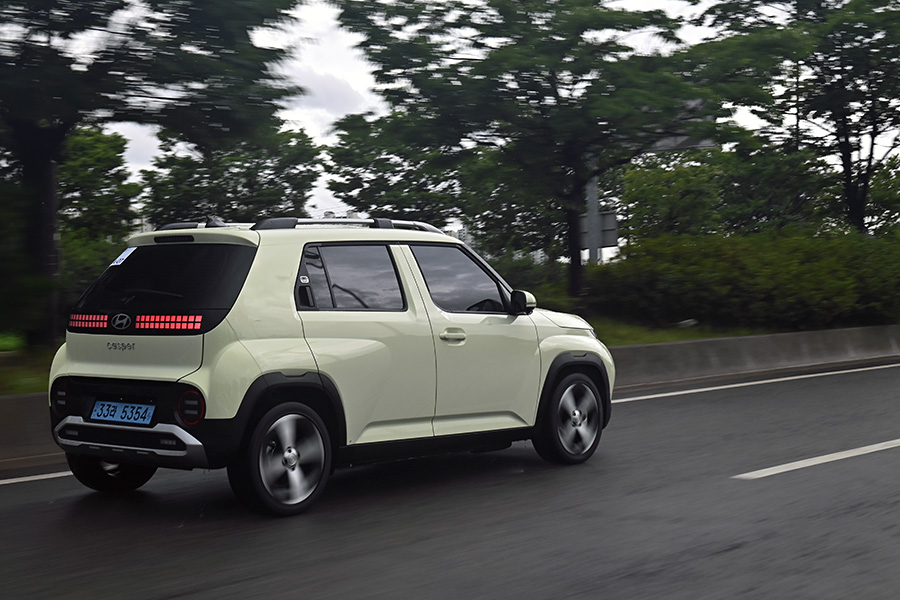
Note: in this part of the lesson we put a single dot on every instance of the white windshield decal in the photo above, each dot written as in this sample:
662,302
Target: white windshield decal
122,257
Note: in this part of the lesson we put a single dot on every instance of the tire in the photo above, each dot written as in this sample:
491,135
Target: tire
570,424
103,476
286,463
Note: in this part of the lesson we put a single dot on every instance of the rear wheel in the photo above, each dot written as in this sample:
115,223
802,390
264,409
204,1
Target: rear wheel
287,462
104,476
569,426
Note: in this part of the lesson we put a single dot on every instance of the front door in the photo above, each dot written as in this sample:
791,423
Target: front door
488,361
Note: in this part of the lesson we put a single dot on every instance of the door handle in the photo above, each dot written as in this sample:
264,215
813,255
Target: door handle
453,335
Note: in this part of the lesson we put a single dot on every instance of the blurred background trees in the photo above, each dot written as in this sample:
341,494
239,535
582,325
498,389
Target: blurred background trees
499,113
187,65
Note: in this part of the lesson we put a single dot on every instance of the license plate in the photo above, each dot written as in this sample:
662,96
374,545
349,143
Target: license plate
122,412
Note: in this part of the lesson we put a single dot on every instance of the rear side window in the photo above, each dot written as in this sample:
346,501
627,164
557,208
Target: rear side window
177,280
349,277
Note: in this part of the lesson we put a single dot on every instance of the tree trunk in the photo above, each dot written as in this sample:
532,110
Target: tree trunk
573,244
39,148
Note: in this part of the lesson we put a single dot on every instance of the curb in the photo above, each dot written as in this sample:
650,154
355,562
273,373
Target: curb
676,363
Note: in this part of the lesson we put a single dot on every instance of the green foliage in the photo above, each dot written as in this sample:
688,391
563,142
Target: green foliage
383,168
553,87
545,279
786,282
824,75
665,201
885,199
95,196
188,65
268,175
11,342
753,187
84,257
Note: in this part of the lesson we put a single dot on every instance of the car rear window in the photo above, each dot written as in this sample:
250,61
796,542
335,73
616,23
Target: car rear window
171,279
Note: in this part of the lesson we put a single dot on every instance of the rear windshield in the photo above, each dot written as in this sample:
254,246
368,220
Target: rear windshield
171,278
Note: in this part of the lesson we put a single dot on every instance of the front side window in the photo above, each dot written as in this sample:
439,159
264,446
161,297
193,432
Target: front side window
456,282
349,277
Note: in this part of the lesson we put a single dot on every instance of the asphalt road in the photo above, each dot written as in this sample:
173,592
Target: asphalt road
657,513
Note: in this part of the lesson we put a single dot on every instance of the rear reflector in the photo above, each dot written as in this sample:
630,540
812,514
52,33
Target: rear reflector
77,320
191,407
168,321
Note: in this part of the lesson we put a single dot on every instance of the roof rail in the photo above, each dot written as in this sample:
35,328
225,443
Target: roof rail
292,222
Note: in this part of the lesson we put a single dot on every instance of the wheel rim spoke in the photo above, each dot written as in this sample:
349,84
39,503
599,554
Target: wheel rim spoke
271,469
297,488
567,403
568,435
286,432
311,451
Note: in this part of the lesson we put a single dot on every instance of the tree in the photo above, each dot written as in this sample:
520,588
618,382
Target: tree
377,170
752,187
189,65
551,85
390,167
94,191
95,214
885,198
678,198
836,88
271,175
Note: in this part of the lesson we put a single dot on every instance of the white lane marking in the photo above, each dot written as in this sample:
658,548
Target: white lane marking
34,478
21,458
751,383
818,460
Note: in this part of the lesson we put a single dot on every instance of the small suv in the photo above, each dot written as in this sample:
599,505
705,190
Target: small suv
288,348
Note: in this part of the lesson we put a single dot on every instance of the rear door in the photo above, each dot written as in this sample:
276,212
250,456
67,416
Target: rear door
370,337
146,315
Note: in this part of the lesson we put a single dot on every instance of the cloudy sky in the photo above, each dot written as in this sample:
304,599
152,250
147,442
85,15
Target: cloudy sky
338,82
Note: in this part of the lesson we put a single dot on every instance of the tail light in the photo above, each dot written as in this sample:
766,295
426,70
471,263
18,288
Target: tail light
88,321
191,407
168,321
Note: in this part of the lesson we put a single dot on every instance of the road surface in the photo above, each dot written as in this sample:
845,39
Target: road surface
692,494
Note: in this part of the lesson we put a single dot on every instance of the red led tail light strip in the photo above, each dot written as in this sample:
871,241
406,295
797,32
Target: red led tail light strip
168,321
78,320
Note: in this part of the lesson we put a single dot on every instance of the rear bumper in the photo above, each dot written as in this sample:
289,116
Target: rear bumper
163,445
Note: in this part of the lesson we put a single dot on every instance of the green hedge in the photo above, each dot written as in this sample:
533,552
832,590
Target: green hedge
783,282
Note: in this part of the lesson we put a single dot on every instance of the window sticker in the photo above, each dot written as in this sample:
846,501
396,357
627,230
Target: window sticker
123,256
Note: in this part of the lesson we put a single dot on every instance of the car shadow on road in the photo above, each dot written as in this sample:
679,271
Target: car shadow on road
178,498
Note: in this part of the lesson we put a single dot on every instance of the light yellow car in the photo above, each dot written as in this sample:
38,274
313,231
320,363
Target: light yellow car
290,347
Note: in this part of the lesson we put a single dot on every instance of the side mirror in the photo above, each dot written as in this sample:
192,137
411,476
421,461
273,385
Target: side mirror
522,303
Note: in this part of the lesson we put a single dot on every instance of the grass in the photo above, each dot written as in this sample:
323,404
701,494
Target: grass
10,342
25,372
618,333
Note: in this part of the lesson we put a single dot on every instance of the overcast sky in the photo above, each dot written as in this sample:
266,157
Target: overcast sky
338,82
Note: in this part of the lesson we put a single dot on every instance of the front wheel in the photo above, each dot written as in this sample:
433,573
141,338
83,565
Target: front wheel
287,462
104,476
569,426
